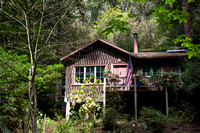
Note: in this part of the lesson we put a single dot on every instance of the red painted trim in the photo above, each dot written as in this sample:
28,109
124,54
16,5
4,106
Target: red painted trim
163,69
140,70
91,65
93,43
122,64
73,70
179,71
87,84
73,74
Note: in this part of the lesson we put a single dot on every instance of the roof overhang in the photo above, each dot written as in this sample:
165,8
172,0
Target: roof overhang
93,42
158,55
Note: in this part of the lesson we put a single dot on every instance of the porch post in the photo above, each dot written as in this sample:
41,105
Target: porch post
135,98
67,110
67,107
104,95
166,99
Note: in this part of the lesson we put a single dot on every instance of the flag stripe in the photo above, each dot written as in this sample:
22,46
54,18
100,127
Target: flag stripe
129,73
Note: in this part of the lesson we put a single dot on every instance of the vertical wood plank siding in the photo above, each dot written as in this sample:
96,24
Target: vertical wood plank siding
94,56
167,65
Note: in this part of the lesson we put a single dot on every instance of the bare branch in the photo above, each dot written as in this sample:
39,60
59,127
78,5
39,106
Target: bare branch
58,22
14,18
14,69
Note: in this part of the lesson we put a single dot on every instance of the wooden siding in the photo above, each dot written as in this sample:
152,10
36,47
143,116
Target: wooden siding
167,65
101,53
93,56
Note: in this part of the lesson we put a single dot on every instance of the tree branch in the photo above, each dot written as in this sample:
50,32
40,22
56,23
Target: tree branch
57,23
14,69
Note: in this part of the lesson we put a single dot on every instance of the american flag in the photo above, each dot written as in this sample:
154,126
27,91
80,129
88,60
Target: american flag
129,73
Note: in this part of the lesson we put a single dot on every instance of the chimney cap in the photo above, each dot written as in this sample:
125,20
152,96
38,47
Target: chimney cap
135,34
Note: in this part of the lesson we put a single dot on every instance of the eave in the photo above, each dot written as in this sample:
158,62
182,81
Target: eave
93,42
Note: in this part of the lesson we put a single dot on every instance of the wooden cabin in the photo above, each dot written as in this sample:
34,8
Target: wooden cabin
98,55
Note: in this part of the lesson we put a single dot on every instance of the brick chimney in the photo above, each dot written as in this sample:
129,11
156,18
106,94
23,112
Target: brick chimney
135,43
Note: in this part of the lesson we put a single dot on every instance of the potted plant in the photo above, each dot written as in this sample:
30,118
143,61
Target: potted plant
159,73
137,75
157,84
143,82
151,73
116,75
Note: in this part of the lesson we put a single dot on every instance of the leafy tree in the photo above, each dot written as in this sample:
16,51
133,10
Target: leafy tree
13,98
14,87
191,80
30,26
112,18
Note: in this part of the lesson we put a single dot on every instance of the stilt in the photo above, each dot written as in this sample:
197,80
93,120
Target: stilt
166,100
135,98
104,96
67,110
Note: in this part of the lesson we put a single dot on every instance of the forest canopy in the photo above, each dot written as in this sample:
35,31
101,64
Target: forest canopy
35,34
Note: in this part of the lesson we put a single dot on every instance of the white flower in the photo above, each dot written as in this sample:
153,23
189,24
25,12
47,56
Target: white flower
76,96
79,100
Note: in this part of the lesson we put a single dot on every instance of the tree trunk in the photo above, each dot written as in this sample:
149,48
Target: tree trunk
35,108
188,29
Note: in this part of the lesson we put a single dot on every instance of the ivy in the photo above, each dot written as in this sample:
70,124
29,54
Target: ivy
194,49
165,16
87,96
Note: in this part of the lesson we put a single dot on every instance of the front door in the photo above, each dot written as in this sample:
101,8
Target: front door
120,71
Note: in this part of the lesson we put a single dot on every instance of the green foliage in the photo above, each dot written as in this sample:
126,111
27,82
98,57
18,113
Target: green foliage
44,123
87,96
153,118
185,114
191,81
109,22
14,87
13,98
72,126
110,118
47,77
186,42
126,44
165,16
149,35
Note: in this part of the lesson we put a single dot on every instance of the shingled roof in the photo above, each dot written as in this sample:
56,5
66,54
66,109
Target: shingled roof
140,55
153,55
93,42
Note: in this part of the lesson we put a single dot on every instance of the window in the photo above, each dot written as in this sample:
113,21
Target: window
147,71
182,70
81,73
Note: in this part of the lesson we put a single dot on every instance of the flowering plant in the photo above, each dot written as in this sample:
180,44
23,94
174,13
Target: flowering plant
87,96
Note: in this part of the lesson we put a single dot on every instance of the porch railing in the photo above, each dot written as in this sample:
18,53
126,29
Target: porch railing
142,83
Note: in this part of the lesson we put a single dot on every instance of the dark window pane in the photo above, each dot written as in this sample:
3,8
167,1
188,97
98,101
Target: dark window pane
156,70
98,68
79,73
81,80
98,75
146,71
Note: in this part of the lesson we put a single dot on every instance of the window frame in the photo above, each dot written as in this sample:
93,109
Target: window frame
151,69
182,70
85,76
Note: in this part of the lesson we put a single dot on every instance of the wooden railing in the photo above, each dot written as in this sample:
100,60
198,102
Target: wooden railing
142,83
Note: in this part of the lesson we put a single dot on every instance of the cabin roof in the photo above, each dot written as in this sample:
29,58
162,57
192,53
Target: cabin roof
140,55
151,55
93,42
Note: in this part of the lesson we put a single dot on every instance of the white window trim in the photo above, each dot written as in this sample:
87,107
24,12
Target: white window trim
75,83
151,69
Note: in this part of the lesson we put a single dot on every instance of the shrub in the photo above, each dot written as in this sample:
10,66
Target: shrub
154,119
87,96
44,123
110,118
